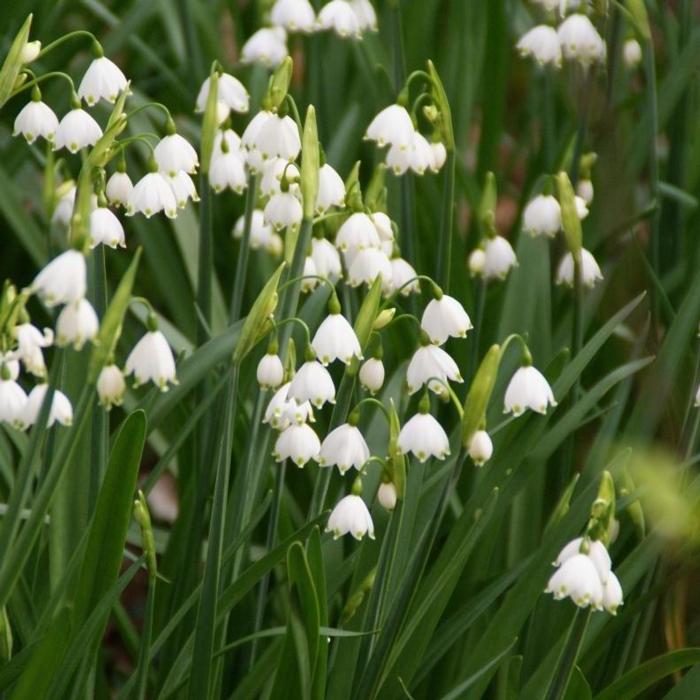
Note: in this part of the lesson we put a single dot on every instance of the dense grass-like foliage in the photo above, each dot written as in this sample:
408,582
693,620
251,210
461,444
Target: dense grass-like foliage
160,550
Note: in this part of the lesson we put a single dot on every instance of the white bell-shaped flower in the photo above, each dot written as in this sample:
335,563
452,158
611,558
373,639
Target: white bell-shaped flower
476,262
30,342
77,130
36,119
542,216
77,324
297,442
367,265
421,155
594,549
439,155
339,16
283,210
61,410
590,271
30,52
294,15
366,16
423,436
542,44
13,400
63,280
445,317
580,40
480,448
581,207
528,389
392,126
282,410
350,515
499,258
309,280
403,277
399,159
267,46
577,579
312,383
174,153
344,447
384,226
103,80
387,496
229,91
106,229
111,386
372,374
331,189
260,232
277,137
326,259
632,53
584,189
335,339
228,171
357,233
273,172
612,594
152,194
119,188
225,140
431,365
183,188
270,371
151,359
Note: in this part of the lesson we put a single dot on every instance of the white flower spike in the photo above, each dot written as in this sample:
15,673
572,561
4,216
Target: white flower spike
528,389
350,516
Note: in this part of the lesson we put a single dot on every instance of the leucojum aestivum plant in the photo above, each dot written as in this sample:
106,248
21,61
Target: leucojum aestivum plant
373,444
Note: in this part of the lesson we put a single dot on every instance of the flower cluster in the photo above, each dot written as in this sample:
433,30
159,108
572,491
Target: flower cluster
584,574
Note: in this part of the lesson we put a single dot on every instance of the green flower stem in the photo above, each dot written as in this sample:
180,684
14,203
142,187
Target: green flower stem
15,557
206,264
480,303
99,437
269,544
203,672
444,258
67,37
146,636
569,654
244,249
